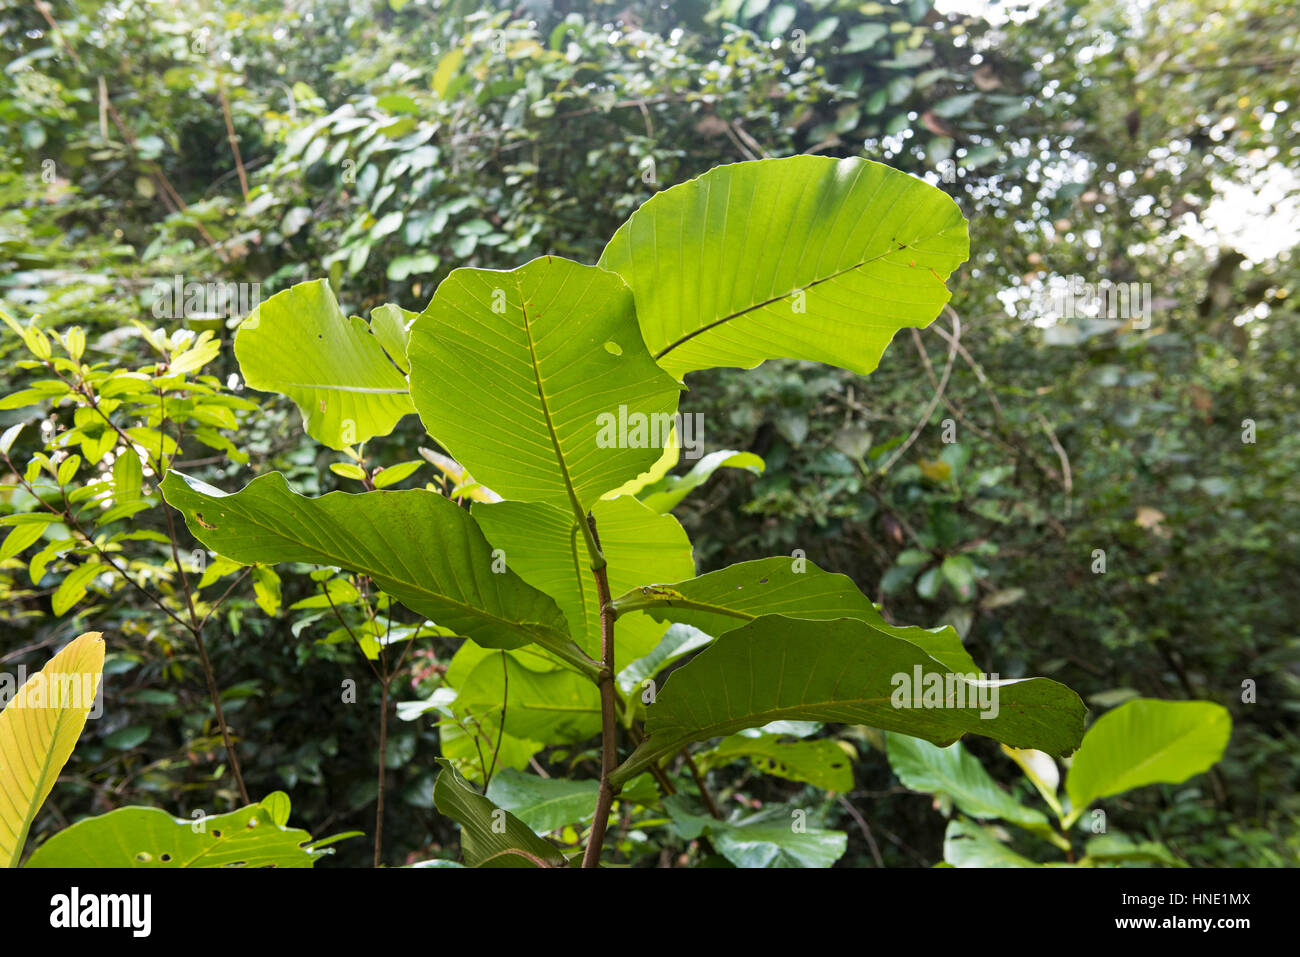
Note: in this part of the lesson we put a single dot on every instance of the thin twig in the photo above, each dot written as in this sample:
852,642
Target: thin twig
702,786
934,400
1067,479
863,826
230,135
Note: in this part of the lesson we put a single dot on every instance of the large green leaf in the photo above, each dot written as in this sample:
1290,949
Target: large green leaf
954,772
417,546
298,343
778,668
515,373
767,840
806,257
545,546
146,837
544,804
728,598
489,836
1146,741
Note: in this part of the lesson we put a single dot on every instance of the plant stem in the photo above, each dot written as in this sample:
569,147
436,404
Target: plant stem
196,627
501,726
383,767
864,826
608,708
215,695
703,787
230,134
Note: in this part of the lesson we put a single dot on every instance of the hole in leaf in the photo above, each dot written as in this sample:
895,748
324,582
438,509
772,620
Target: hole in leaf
613,348
144,857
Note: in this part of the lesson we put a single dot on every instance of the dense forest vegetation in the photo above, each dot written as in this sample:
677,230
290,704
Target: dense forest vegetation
1103,498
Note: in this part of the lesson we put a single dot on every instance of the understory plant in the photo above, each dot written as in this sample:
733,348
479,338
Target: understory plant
547,553
552,389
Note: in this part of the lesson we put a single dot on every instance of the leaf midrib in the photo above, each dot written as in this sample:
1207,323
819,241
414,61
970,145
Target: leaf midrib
341,388
342,561
775,299
34,800
539,381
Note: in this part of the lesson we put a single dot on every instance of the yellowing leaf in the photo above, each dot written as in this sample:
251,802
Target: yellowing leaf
935,471
447,69
38,730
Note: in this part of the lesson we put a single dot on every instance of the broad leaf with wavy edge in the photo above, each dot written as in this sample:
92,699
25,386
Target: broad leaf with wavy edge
335,369
513,373
38,729
1146,741
806,257
147,837
416,545
720,601
778,668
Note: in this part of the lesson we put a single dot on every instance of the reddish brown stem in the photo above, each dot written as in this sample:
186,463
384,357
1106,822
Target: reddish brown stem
608,711
703,787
